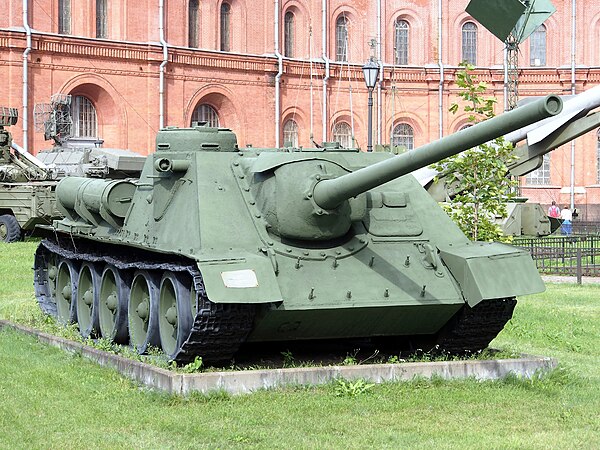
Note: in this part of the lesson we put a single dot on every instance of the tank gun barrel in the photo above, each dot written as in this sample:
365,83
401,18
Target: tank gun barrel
330,193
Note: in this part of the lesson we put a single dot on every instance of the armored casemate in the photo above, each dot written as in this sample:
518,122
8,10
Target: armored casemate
214,246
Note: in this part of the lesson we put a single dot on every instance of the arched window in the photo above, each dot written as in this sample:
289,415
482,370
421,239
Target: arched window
290,134
225,27
101,19
341,39
64,16
289,22
205,113
193,24
85,121
403,136
541,175
342,133
469,43
401,42
537,47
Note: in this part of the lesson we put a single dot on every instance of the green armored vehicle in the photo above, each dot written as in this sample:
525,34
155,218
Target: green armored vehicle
26,186
214,246
28,183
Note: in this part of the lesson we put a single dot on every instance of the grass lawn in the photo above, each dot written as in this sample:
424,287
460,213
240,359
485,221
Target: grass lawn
54,400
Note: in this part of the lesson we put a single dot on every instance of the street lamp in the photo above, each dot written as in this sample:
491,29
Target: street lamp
371,72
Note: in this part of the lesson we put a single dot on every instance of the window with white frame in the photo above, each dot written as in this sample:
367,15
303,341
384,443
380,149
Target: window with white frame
205,113
401,42
537,47
540,176
342,133
290,134
403,135
469,43
85,121
341,38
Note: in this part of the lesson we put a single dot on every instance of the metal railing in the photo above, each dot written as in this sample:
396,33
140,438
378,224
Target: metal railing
573,255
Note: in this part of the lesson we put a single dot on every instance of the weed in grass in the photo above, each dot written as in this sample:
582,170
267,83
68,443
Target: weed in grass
288,359
350,359
347,388
194,367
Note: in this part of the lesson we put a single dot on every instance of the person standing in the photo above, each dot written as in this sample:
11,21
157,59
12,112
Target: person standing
554,211
567,217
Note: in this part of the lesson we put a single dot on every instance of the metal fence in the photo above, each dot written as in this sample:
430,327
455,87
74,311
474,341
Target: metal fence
574,255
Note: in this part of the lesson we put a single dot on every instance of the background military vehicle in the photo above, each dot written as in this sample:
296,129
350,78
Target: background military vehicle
27,182
213,246
26,186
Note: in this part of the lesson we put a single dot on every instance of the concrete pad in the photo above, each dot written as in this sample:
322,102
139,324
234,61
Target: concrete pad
245,381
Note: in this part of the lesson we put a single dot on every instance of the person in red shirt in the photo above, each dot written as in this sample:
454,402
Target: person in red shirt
554,211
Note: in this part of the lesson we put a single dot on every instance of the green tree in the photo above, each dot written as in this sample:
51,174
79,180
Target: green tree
478,176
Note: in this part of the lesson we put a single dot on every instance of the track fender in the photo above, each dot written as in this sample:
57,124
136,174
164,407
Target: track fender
491,270
245,278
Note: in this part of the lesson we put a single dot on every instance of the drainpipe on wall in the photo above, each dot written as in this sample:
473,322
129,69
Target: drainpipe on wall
573,91
161,85
326,59
25,118
441,64
380,63
278,76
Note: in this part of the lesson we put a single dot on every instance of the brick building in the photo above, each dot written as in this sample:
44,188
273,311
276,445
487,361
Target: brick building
288,71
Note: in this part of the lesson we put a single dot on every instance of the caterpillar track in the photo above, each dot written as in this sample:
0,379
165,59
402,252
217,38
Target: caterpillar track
217,330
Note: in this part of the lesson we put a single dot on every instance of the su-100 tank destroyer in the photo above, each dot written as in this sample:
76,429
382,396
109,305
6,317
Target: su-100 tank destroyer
214,246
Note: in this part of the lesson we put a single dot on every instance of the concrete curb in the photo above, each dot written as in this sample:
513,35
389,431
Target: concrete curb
251,380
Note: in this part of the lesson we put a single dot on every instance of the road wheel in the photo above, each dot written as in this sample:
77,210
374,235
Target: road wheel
143,312
88,291
10,231
66,292
112,305
174,312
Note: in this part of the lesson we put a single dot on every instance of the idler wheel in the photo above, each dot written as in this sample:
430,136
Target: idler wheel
66,292
44,281
175,312
112,305
143,312
88,291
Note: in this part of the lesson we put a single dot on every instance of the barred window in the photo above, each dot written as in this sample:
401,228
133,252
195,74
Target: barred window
206,113
193,24
469,43
537,47
101,19
288,32
341,39
85,121
225,27
64,16
342,133
540,176
290,134
403,136
401,42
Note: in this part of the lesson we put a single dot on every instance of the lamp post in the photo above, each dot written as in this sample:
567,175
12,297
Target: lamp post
371,72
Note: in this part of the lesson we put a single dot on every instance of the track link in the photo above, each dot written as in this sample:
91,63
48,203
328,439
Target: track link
218,329
472,329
